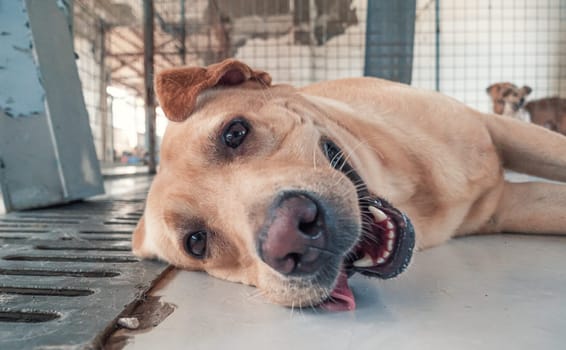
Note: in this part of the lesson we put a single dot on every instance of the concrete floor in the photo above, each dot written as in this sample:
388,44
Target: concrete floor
489,292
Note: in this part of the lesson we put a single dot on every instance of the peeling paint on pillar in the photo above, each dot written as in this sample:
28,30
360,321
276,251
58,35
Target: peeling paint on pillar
21,92
49,158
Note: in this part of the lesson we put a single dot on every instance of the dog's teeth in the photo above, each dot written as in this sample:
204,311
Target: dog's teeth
386,254
366,261
380,261
377,214
390,225
390,245
390,234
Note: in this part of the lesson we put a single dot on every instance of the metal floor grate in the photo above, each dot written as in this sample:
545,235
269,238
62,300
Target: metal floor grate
66,273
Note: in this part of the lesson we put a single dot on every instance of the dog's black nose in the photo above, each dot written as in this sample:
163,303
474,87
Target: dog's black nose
294,242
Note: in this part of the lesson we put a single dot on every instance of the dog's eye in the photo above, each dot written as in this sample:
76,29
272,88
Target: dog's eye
235,133
195,244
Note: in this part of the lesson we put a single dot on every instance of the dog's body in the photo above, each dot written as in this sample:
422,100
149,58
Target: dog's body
509,100
548,112
257,201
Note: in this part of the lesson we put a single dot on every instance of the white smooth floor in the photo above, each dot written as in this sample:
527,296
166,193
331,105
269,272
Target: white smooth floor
479,292
490,292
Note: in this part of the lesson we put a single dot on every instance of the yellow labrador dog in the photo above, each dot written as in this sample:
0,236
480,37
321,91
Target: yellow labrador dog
294,190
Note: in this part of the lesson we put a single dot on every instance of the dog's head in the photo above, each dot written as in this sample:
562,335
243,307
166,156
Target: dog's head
507,98
254,188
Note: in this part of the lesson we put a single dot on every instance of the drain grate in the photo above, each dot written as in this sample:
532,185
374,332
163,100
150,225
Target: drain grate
66,273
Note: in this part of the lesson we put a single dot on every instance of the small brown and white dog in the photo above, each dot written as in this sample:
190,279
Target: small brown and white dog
294,190
509,100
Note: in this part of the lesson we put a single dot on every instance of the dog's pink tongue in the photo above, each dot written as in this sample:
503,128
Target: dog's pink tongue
341,298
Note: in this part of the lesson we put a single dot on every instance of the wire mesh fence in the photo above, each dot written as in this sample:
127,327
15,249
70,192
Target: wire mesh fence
482,42
90,55
460,47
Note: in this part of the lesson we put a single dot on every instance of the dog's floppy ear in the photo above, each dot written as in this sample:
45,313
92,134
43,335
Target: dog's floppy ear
527,89
493,88
177,89
138,240
490,88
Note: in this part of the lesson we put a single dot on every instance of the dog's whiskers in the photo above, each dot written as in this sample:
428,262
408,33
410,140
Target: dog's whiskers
257,294
322,250
369,239
314,151
292,308
265,92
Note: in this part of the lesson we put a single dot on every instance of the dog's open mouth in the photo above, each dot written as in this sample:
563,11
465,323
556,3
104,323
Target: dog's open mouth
385,247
